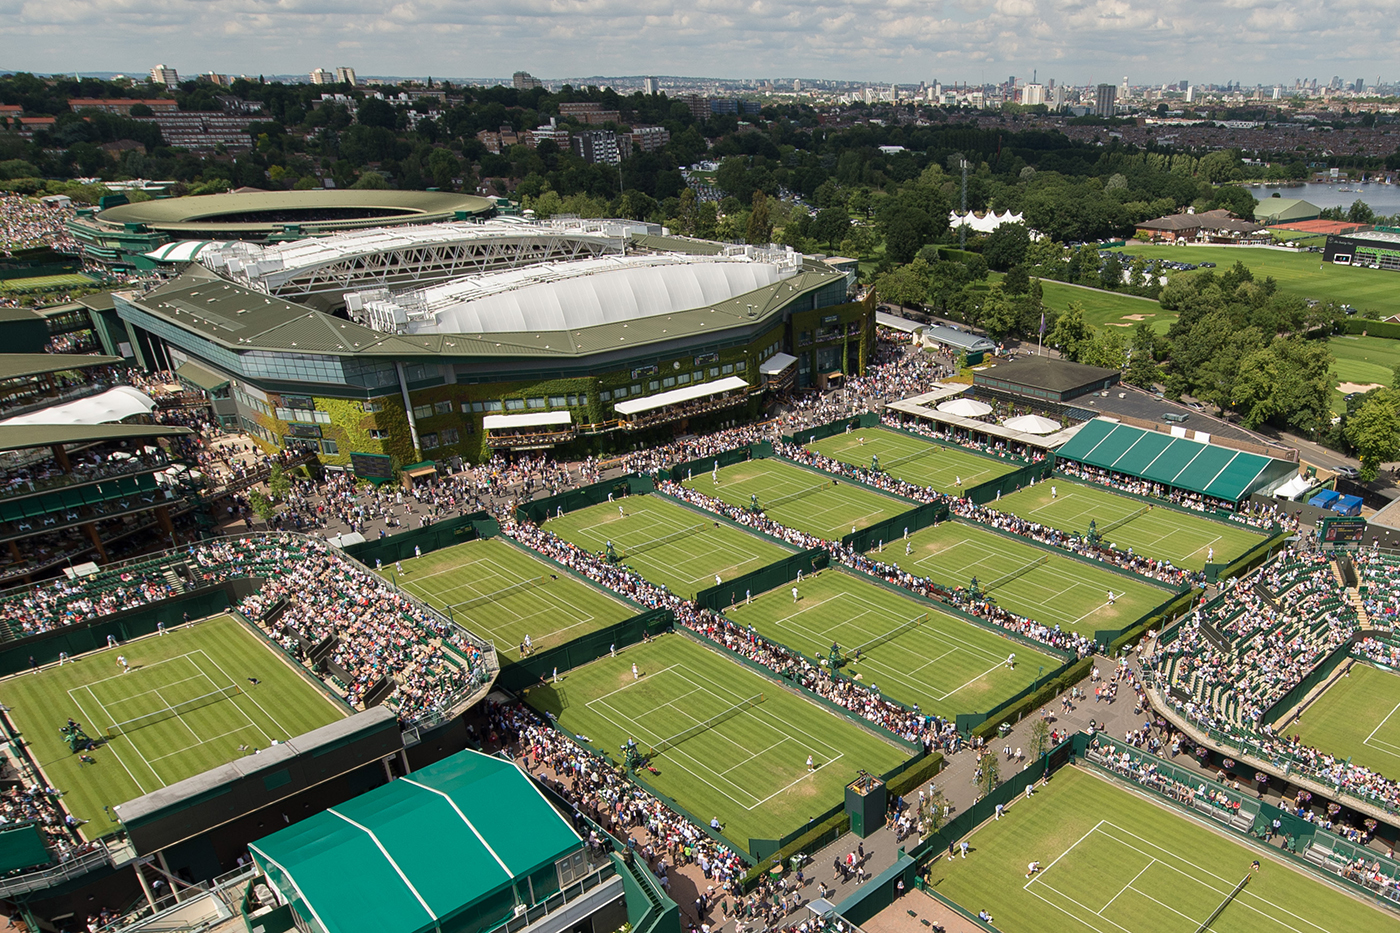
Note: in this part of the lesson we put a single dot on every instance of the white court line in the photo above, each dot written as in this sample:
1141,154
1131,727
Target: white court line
131,744
161,697
115,754
249,695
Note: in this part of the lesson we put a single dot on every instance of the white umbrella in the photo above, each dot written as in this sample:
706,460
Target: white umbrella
965,407
1032,424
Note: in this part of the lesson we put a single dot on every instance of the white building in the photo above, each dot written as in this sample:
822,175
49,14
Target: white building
345,75
160,74
649,85
1033,94
322,76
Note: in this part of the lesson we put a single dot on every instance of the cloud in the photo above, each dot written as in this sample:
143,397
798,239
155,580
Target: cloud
1075,41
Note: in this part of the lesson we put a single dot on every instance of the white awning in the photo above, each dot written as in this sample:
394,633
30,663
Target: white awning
538,419
112,405
777,364
1032,424
637,406
894,322
966,407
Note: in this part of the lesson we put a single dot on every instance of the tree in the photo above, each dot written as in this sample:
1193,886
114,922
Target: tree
1360,212
760,228
374,111
987,777
1017,280
1142,364
371,180
1111,272
1374,430
1040,737
830,225
931,809
262,506
278,485
1006,246
905,285
1071,334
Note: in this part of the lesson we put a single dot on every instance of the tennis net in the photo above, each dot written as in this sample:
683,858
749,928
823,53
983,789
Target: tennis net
793,496
1223,904
686,735
895,632
664,539
907,457
1105,529
501,593
1008,577
170,712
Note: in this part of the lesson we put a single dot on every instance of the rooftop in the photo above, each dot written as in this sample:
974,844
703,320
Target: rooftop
1043,372
21,436
16,365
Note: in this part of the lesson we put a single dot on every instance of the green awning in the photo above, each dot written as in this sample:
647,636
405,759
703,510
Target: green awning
205,379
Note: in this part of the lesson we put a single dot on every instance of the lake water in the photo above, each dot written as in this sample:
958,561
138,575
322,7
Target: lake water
1383,199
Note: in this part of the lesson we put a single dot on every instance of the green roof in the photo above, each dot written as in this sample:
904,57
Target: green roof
15,365
201,377
1282,210
1192,465
20,436
417,851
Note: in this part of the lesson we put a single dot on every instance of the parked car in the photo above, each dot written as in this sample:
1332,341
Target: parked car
1348,472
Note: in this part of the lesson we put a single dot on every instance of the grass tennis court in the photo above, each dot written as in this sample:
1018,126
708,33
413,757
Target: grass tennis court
750,768
1357,718
45,282
800,498
1161,533
679,548
1112,862
501,592
1048,587
180,680
911,651
914,460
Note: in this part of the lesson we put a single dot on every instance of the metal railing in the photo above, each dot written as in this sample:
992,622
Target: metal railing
48,877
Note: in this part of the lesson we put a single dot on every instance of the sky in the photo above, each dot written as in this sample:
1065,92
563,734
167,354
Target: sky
880,41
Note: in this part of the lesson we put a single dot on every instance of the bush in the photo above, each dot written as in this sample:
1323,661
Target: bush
839,822
912,777
1066,679
1180,604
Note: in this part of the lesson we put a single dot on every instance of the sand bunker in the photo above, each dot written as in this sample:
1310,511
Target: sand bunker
1137,317
1349,387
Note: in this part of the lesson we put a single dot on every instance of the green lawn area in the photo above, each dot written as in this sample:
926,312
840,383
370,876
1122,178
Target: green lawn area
914,459
1160,533
1357,719
797,497
43,282
1108,309
1301,274
180,680
1362,360
944,664
669,544
1112,861
750,767
504,593
1043,585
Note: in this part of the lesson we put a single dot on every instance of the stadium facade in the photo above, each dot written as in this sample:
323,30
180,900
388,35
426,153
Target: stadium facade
436,342
1379,249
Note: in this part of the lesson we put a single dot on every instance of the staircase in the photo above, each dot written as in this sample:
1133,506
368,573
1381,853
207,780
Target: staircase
1359,605
176,582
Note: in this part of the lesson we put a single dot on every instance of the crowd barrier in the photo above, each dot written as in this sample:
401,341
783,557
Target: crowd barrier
993,489
571,500
434,537
765,578
868,419
893,529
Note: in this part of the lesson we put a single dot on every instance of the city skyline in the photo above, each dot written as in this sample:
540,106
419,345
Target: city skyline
1078,42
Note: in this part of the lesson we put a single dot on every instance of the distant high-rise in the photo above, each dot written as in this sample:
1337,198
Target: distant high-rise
160,74
1105,101
796,84
524,81
1033,94
345,75
649,85
1057,96
321,76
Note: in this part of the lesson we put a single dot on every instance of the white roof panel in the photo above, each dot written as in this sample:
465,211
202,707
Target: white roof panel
777,364
537,419
636,406
112,405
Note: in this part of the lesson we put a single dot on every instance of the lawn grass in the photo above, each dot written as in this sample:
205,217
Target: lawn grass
1161,533
750,769
1113,862
705,548
44,282
503,593
1362,360
1108,309
166,670
1051,588
828,507
1358,718
1302,274
913,459
944,664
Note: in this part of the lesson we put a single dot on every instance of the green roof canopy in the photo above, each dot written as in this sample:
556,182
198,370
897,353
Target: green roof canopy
15,365
204,378
1198,467
410,855
20,436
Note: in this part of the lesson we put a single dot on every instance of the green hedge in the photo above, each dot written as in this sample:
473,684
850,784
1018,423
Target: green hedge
909,780
1133,633
1371,328
838,823
1056,685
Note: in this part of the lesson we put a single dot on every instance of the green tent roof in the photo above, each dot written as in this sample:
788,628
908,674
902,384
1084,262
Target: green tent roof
421,849
1199,467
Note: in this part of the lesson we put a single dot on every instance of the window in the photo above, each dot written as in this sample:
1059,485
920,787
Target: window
683,379
668,382
429,441
492,406
373,407
443,408
448,436
741,366
535,403
621,392
329,446
515,404
653,385
469,407
698,375
418,372
422,411
728,369
574,401
558,401
605,396
378,434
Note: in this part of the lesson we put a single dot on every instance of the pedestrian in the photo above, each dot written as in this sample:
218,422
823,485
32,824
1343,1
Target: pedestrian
398,565
556,675
718,581
748,597
620,512
963,846
794,594
811,765
160,628
636,675
999,811
1110,597
121,662
1011,660
1030,789
417,551
1054,492
610,498
612,650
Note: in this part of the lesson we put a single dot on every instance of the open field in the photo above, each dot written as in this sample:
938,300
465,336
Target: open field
41,283
1358,718
1113,862
913,459
807,500
1362,360
667,543
749,766
944,664
1160,533
1108,309
181,694
1301,274
503,593
1048,587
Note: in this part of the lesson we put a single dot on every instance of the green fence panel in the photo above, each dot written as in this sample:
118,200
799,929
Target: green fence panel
894,528
766,578
539,667
1248,560
880,891
571,500
994,489
1316,676
429,538
701,465
831,428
